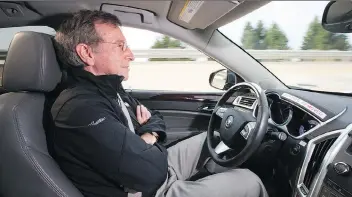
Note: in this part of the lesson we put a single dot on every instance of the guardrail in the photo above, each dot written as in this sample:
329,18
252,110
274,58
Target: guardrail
275,55
262,55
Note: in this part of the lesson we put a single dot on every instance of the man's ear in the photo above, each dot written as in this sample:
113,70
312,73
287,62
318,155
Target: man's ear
85,52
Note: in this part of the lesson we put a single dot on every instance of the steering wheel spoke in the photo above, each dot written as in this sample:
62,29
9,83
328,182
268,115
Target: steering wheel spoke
247,130
220,111
245,114
221,147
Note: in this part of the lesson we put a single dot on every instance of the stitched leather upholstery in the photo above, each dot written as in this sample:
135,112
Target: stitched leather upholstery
26,168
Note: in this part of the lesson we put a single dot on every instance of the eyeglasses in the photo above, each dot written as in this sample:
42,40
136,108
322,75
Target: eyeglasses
122,44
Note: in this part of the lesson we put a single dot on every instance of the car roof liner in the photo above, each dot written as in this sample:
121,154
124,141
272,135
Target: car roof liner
16,14
204,15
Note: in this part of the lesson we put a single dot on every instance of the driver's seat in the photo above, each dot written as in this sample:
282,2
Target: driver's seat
26,168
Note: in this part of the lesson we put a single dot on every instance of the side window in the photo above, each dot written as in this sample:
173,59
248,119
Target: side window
164,63
6,35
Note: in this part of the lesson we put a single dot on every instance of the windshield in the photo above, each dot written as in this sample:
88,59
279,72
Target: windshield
288,39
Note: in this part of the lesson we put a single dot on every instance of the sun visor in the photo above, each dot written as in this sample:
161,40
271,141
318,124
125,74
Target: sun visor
199,14
129,15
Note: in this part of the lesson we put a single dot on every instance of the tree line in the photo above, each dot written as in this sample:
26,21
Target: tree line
168,42
261,38
316,38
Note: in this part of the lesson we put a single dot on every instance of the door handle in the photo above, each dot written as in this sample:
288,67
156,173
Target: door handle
207,108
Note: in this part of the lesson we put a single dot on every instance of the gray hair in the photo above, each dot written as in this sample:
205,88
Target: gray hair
80,28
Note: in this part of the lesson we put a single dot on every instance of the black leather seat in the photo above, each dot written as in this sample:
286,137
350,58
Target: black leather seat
26,168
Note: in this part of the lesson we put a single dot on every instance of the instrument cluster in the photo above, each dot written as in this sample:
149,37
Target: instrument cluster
289,117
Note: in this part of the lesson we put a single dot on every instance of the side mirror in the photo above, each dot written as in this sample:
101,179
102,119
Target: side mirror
222,79
337,17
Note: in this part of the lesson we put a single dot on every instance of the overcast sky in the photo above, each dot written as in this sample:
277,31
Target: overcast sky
292,17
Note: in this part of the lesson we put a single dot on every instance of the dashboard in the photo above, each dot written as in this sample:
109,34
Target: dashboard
289,117
284,114
318,148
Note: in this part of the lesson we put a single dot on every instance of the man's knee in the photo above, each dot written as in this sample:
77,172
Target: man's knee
251,184
233,183
248,174
200,137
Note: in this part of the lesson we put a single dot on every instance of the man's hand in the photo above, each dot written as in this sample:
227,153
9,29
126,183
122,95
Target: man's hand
143,114
149,138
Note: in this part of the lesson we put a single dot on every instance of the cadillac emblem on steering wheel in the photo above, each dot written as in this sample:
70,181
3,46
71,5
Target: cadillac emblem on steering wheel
229,121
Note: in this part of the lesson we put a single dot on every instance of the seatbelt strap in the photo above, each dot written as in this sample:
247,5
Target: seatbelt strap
131,193
125,112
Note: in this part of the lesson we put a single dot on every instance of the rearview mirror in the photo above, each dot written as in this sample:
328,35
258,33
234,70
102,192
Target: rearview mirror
222,79
337,17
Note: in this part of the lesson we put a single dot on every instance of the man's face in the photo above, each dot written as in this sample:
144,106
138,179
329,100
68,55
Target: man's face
111,56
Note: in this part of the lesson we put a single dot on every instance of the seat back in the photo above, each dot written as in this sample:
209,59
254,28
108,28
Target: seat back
26,167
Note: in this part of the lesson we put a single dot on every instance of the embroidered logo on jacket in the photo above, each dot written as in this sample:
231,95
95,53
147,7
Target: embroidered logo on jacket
97,122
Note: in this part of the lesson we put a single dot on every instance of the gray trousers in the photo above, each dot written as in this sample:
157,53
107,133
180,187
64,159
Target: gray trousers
183,158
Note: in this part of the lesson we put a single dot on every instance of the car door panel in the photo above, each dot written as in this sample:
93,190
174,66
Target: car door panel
185,114
182,124
176,100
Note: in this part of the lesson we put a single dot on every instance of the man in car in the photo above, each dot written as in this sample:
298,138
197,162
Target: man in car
107,142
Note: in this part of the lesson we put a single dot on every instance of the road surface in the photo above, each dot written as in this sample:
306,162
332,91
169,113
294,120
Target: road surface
193,76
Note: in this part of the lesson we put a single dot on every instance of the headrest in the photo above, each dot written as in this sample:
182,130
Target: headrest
31,63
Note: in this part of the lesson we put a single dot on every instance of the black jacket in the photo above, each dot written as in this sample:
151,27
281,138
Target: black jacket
90,139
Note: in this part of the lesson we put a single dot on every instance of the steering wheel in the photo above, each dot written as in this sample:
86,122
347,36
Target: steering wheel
240,131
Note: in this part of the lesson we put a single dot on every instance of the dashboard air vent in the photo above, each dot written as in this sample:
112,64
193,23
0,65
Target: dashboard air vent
316,160
247,101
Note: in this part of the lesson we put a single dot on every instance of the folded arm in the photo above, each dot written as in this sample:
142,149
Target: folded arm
110,148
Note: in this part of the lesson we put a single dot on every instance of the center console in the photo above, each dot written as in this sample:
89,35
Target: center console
326,170
338,181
